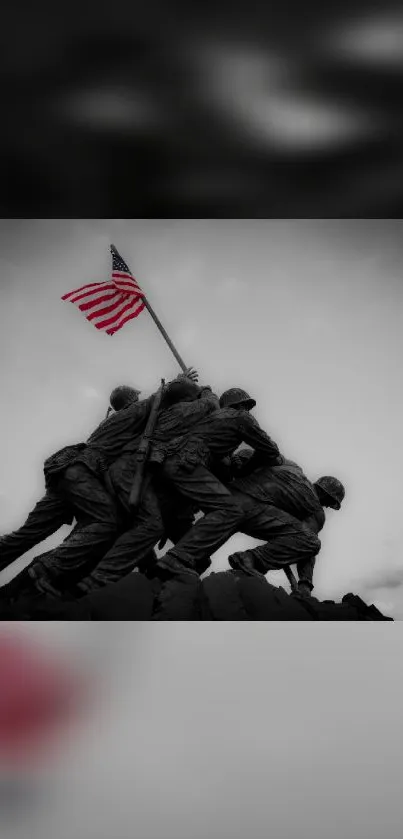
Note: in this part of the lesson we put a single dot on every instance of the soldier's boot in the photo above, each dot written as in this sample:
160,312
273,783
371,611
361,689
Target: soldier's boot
203,565
304,590
62,592
20,586
57,588
174,566
44,586
242,561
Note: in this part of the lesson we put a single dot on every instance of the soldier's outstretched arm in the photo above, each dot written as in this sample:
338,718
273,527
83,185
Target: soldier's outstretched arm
206,391
189,373
208,395
182,418
266,450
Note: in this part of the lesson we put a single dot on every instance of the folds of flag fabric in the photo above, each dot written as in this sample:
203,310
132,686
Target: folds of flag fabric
109,305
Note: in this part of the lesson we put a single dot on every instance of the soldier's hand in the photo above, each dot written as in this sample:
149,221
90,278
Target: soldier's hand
192,374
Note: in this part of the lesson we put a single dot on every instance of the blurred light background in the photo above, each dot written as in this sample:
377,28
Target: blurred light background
256,729
282,109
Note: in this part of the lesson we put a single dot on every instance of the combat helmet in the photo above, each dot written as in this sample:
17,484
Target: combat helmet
123,396
333,488
235,396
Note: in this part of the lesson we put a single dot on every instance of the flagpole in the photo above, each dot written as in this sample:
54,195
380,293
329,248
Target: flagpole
161,328
165,335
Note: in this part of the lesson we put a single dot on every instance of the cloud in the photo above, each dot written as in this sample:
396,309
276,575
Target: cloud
230,287
90,392
189,272
187,336
389,579
105,109
260,95
301,121
374,40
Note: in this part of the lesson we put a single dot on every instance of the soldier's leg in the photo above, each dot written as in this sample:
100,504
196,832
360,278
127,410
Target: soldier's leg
223,511
177,511
288,541
131,548
147,566
48,516
120,477
21,585
43,561
178,515
199,486
97,512
305,573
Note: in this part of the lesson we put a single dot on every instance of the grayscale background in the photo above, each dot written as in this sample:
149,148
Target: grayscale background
244,730
307,315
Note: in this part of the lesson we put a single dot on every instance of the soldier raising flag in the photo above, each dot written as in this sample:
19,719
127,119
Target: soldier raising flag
176,442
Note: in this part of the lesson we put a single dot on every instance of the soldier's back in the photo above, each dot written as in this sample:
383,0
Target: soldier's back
285,486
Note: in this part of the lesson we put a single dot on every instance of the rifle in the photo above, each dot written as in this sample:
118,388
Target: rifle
144,449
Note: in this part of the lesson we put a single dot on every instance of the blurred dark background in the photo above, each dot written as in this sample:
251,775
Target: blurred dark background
285,109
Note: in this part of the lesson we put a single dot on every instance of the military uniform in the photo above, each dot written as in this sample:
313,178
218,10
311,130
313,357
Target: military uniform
116,439
287,488
47,517
288,540
75,486
162,511
159,516
188,463
74,482
277,504
285,485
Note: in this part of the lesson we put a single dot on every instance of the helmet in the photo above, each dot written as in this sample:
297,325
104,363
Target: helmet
234,396
123,396
180,391
333,487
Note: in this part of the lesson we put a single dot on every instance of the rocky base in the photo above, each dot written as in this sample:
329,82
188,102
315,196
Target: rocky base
229,595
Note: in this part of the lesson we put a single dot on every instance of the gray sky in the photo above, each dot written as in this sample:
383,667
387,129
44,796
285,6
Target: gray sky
306,314
230,731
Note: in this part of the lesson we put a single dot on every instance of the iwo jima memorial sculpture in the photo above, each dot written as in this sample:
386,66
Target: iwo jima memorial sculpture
184,466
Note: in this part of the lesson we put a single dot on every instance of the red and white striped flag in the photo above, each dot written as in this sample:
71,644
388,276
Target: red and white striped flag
110,305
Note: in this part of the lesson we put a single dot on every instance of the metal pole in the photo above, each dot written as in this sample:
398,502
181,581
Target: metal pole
165,335
159,325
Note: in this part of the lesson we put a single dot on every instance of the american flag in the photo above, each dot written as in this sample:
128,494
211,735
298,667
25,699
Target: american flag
109,305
